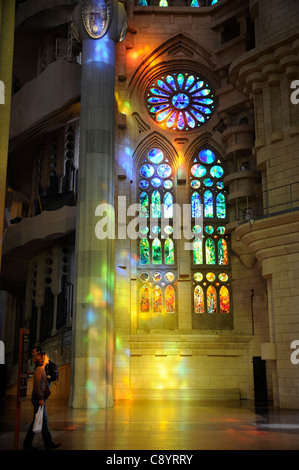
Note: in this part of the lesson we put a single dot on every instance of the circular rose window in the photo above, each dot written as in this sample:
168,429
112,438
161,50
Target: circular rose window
180,101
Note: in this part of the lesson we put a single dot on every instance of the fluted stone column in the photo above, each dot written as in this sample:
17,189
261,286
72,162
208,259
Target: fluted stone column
93,340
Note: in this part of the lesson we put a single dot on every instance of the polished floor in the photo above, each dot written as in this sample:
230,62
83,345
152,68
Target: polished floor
158,425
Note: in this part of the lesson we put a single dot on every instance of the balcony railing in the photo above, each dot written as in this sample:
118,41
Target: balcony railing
274,201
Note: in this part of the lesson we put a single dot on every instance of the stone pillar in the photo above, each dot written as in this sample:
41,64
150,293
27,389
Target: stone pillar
93,339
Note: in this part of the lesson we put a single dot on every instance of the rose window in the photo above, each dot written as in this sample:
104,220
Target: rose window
180,101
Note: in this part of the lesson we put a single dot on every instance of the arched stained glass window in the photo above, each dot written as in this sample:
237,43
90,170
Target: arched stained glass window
222,252
157,299
196,205
144,251
211,299
208,204
197,251
169,251
157,253
210,252
170,299
144,299
156,204
220,206
157,249
180,100
224,300
198,300
168,205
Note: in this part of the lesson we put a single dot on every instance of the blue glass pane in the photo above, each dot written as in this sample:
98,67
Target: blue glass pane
142,3
180,80
156,182
162,116
171,81
208,204
195,184
219,185
156,109
189,81
171,120
155,155
156,91
196,205
207,156
194,3
190,120
168,206
198,85
164,170
180,100
198,171
220,206
181,122
168,184
208,182
143,184
162,84
147,170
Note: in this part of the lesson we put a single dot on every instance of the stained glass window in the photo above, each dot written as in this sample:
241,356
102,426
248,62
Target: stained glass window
210,258
156,248
180,100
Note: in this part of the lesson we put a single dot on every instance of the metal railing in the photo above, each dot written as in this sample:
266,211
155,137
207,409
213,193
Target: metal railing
274,201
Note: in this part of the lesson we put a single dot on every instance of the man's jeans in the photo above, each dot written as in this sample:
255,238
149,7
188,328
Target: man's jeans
45,429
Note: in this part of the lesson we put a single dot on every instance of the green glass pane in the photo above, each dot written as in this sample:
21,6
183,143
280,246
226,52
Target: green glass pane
209,229
210,252
143,200
156,204
144,251
169,251
156,249
197,251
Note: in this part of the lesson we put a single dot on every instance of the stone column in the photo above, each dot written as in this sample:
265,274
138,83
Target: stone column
93,339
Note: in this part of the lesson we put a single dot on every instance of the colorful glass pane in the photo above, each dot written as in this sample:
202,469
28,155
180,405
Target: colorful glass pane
143,184
168,206
224,300
157,299
169,277
198,300
198,277
143,200
164,170
147,170
197,251
198,171
156,229
157,277
196,229
144,251
168,229
220,185
144,299
207,156
156,182
169,251
156,204
210,277
144,277
220,206
142,3
209,229
180,101
208,204
168,184
194,3
221,230
170,299
144,229
216,171
223,277
222,252
211,300
155,156
156,250
210,252
208,182
195,184
195,204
